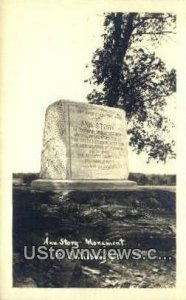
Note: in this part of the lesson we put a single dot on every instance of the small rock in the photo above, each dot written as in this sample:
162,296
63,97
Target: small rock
155,270
87,270
27,282
144,284
137,273
139,278
126,284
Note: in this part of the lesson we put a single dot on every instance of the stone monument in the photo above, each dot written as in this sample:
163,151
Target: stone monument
84,147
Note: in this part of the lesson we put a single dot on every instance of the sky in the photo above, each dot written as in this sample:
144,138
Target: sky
46,46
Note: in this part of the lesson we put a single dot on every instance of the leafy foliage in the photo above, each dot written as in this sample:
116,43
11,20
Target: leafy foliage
128,76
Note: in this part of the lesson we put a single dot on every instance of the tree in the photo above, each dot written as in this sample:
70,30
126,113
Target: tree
129,76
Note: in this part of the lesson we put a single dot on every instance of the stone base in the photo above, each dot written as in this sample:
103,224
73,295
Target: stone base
83,185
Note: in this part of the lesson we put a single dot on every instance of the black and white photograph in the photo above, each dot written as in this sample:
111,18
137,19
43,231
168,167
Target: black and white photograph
92,104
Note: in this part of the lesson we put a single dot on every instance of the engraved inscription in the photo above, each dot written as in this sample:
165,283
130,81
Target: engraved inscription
98,142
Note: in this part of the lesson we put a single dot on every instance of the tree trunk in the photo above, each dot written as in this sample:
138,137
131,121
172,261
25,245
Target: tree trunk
122,39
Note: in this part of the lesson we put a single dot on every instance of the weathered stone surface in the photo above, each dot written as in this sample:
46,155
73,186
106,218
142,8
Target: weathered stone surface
83,141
